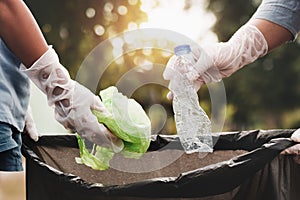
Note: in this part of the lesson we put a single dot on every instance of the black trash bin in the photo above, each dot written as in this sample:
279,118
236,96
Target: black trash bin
244,165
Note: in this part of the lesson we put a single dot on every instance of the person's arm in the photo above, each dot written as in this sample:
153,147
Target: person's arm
251,41
274,34
20,31
72,102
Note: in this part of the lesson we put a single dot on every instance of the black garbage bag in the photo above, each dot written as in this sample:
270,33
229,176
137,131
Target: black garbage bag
244,165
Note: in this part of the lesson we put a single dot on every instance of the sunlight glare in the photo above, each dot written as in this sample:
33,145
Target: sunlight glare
194,23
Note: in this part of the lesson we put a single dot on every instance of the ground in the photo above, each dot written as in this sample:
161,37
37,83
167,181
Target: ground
12,185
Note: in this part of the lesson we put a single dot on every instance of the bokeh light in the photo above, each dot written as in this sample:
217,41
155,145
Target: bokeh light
99,30
90,12
122,10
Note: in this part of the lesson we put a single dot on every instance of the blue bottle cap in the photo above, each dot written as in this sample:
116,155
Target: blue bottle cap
182,49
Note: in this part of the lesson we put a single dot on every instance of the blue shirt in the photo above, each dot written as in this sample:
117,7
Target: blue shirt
285,13
14,89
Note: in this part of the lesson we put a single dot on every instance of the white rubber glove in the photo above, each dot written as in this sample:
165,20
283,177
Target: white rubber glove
295,149
72,102
175,69
244,47
216,61
30,127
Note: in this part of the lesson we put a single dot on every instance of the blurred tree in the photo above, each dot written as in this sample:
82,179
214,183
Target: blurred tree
266,91
264,94
75,27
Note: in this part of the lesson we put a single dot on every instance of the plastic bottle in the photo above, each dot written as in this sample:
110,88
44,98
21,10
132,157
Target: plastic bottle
192,124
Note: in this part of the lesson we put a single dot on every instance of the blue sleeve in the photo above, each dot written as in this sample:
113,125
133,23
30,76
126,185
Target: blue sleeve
285,13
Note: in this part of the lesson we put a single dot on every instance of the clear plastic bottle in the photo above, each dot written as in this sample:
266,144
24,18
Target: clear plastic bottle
192,123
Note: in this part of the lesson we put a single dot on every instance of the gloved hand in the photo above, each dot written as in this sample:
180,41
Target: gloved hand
30,127
216,61
295,149
72,102
174,70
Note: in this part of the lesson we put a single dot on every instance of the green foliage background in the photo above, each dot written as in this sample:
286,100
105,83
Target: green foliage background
263,95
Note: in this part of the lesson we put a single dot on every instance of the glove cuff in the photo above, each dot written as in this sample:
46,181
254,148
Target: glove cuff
244,47
50,76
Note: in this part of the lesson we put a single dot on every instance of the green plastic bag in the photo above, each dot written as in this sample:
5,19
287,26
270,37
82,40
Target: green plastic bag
127,120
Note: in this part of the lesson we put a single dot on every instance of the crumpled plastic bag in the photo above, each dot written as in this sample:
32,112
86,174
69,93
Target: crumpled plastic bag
127,120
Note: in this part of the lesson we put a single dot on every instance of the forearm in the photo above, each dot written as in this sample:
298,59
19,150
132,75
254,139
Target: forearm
274,34
20,31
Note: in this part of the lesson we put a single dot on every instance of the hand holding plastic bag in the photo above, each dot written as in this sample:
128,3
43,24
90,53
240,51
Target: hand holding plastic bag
72,102
127,120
